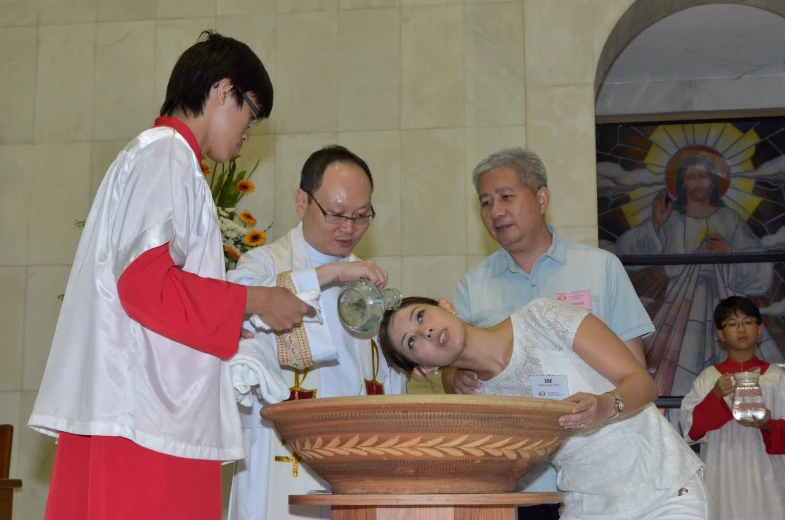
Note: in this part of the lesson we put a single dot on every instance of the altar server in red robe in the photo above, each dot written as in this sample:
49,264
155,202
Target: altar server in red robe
137,387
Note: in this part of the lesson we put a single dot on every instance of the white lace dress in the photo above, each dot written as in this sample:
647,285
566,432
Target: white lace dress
620,470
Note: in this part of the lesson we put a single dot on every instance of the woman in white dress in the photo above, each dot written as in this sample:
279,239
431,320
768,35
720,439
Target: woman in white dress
623,460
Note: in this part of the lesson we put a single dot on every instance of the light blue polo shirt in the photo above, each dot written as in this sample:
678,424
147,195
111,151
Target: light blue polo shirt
496,288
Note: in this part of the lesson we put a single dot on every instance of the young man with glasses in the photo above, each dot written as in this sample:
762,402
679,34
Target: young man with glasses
137,387
745,459
334,202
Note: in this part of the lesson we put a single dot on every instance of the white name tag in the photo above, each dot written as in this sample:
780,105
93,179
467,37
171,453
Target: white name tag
549,387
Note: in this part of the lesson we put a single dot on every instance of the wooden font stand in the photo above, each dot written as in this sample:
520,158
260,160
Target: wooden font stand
499,506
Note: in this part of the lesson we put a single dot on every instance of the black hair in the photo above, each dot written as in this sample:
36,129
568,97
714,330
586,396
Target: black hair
318,162
681,194
735,305
211,59
398,359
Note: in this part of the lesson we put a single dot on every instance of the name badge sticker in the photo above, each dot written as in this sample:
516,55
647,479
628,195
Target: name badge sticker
549,387
578,298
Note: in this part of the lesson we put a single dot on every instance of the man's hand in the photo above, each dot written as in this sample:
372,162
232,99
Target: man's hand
717,244
723,386
277,307
761,424
660,209
343,272
466,382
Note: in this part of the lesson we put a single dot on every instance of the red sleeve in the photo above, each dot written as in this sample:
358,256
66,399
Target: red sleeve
774,438
711,414
202,313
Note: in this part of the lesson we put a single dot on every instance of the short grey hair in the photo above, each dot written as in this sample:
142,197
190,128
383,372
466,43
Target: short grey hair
526,164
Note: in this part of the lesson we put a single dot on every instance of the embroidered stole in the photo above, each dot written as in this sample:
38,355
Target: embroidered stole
299,352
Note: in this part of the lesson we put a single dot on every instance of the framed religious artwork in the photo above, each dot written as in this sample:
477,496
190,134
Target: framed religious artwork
695,210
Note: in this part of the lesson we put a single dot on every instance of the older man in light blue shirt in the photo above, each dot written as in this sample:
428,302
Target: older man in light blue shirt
496,288
535,262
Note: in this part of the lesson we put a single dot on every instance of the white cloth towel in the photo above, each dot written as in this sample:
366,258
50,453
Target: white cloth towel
309,297
256,365
256,362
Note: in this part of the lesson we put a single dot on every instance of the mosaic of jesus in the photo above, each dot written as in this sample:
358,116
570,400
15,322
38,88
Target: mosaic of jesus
710,188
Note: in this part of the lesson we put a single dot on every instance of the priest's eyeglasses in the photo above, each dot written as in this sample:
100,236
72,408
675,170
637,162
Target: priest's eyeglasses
362,220
738,325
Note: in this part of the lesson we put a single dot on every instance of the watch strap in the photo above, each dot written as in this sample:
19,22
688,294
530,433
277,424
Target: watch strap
618,404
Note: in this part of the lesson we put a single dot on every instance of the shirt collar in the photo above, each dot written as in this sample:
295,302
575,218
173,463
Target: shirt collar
318,258
557,251
731,367
182,129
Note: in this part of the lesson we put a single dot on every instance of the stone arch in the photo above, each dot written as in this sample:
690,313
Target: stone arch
644,13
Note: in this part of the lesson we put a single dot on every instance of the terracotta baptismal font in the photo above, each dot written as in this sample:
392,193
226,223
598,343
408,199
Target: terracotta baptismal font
421,457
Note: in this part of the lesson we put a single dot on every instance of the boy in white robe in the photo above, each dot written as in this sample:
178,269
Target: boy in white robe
136,387
745,459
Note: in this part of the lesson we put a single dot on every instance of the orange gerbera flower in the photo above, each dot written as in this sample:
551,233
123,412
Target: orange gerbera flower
232,252
247,218
245,186
205,168
255,238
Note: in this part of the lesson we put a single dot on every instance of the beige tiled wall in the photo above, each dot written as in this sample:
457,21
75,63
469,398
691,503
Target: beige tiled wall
422,89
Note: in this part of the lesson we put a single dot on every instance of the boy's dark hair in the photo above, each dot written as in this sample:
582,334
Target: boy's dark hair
397,359
318,162
215,57
735,305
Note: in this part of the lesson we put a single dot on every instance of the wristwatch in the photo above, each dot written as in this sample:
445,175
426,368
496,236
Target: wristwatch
619,404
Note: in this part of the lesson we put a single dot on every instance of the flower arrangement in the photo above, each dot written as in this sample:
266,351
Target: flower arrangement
228,187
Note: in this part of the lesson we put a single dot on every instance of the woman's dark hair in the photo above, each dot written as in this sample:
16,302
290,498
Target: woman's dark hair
735,305
213,58
318,162
385,343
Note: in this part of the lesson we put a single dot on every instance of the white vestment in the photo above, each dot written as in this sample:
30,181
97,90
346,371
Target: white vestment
331,361
109,375
681,235
745,481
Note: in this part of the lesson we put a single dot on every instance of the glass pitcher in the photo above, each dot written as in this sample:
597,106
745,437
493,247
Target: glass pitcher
361,305
747,397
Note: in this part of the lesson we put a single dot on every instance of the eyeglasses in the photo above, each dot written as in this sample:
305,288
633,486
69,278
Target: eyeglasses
362,220
256,112
734,325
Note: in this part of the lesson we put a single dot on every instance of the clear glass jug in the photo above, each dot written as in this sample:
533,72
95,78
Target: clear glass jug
747,397
361,304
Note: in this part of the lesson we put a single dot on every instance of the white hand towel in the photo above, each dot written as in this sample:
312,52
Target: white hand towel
310,297
256,364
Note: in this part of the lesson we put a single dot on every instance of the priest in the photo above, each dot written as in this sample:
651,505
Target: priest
318,359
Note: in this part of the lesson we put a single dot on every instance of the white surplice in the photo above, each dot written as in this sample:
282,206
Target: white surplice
109,375
332,361
745,481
